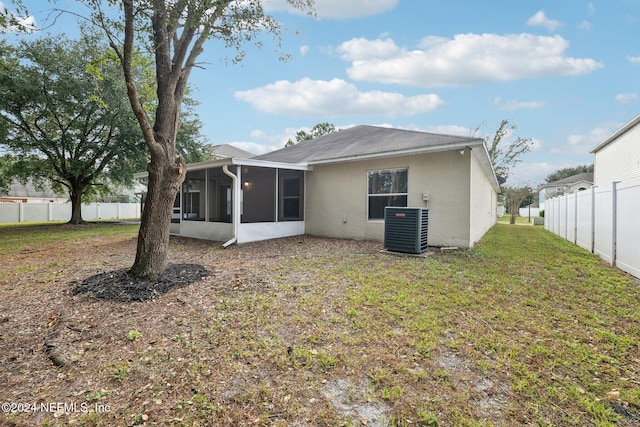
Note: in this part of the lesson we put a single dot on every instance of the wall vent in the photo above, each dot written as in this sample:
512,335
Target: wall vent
405,229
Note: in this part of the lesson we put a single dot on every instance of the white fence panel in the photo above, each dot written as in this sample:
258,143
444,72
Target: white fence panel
60,211
584,221
603,223
43,212
628,227
604,220
571,217
562,216
529,212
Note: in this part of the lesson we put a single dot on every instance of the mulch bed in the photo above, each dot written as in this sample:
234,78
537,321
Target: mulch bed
122,286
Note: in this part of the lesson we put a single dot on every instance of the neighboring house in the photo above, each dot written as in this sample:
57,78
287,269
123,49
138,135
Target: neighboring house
617,158
571,184
337,185
228,151
19,193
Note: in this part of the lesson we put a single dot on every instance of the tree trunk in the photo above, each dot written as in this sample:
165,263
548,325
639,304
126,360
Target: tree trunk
165,179
75,195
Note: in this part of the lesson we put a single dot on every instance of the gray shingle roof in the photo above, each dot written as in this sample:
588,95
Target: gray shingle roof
365,141
229,151
586,176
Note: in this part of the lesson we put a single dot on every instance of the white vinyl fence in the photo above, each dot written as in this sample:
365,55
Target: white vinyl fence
603,220
42,212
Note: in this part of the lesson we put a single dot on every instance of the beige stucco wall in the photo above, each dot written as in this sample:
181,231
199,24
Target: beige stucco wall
619,160
336,202
484,201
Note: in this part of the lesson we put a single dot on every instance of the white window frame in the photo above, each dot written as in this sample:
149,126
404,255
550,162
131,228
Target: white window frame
406,194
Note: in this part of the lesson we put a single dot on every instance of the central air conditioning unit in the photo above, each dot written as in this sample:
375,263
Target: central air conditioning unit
405,229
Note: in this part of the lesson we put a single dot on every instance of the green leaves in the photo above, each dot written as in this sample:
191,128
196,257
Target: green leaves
506,149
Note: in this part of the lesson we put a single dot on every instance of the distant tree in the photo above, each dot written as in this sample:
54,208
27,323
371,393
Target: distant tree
530,199
190,143
6,163
505,153
316,131
567,172
64,117
513,197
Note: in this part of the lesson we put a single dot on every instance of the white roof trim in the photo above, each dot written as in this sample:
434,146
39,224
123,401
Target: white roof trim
274,165
627,126
238,162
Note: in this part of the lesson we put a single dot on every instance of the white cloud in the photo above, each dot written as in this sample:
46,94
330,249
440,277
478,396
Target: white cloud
338,9
534,173
585,25
626,98
633,59
540,19
582,144
522,105
18,23
304,50
591,8
536,145
333,98
256,148
465,59
450,130
361,49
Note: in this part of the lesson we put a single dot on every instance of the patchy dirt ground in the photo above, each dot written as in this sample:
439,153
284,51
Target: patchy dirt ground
284,332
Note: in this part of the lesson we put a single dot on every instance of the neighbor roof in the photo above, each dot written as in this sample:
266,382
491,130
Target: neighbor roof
585,176
229,151
17,189
366,142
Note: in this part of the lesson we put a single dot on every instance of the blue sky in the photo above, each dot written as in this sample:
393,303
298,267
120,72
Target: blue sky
565,72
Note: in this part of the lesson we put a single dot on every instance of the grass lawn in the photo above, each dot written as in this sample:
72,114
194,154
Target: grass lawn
525,329
519,219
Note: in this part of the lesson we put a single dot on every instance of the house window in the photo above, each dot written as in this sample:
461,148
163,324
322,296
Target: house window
291,195
291,198
386,187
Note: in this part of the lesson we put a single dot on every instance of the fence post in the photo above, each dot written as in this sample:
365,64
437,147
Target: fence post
566,217
593,219
575,218
20,212
614,219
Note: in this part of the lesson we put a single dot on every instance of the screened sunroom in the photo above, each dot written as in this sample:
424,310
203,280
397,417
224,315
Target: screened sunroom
240,200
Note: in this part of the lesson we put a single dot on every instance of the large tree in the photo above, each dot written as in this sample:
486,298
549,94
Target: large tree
513,197
64,117
177,31
506,149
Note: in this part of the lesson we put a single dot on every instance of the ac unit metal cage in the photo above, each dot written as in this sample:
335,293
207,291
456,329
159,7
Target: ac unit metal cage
406,229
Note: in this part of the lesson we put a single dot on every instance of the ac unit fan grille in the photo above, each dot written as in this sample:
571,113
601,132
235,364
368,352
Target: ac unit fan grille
406,229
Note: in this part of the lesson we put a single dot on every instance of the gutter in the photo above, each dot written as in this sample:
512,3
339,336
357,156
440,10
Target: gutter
234,179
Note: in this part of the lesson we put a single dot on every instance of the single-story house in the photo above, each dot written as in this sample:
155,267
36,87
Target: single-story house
568,185
617,158
337,185
20,193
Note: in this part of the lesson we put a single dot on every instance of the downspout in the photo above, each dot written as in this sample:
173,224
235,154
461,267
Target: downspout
234,179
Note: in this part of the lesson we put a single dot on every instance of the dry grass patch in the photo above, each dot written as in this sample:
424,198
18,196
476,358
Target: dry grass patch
524,329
